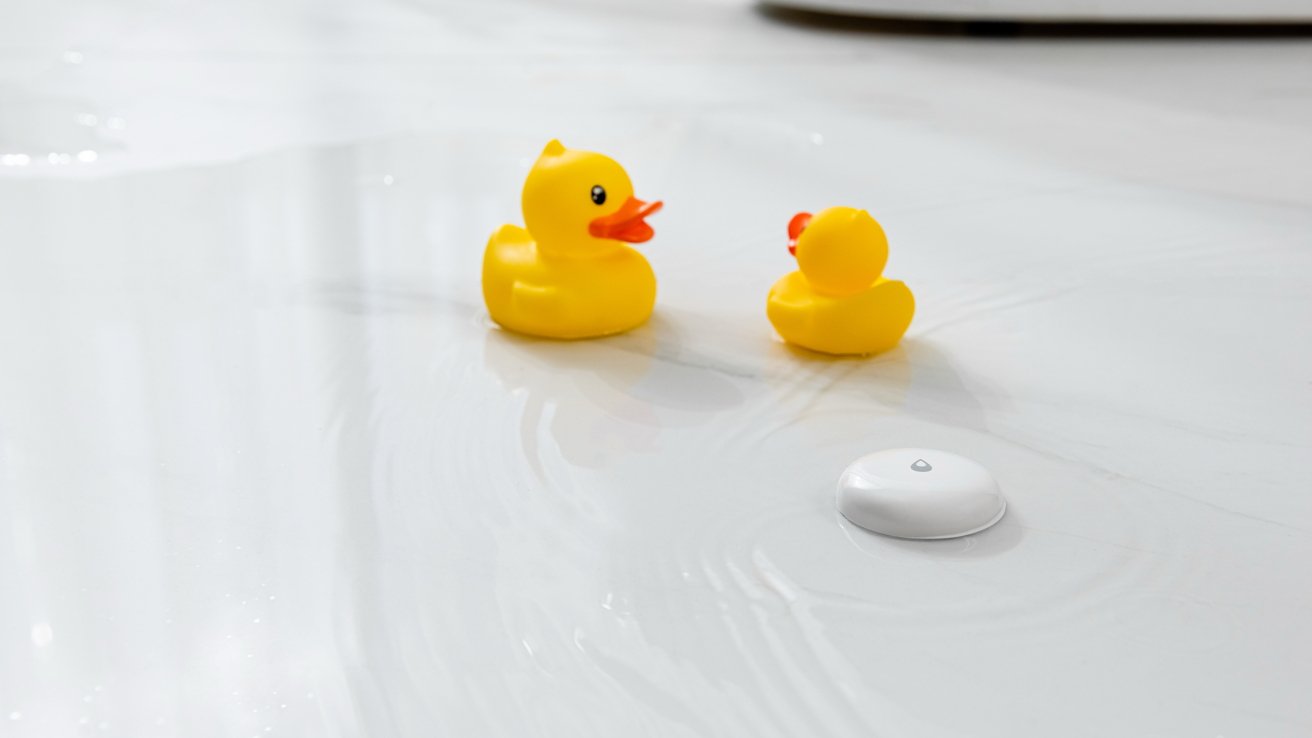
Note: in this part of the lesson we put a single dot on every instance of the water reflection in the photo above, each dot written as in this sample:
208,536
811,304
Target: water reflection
604,398
917,378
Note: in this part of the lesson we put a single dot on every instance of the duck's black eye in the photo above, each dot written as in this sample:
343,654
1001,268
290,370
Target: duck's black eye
598,194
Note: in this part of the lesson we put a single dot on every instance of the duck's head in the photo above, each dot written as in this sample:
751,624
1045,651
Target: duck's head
577,203
840,250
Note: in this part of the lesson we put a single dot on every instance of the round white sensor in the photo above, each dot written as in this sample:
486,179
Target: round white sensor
919,493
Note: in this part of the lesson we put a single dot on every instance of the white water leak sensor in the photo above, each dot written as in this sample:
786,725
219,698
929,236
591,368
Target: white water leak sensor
919,493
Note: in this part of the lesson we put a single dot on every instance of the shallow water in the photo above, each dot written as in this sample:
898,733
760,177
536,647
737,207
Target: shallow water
267,468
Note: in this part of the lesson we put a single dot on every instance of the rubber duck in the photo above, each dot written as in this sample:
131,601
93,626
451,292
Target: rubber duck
838,302
569,273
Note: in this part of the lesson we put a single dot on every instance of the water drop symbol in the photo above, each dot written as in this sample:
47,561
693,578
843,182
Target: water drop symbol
921,466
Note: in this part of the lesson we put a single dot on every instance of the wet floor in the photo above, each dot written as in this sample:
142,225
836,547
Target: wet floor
266,467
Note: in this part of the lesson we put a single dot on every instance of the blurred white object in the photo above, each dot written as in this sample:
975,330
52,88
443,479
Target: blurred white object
1072,11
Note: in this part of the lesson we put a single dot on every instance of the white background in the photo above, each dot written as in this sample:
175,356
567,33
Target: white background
266,469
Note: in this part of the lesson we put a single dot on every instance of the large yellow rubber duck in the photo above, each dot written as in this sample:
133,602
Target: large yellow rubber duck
570,274
838,302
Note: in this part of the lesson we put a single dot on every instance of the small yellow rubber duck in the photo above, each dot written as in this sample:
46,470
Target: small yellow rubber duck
570,275
838,302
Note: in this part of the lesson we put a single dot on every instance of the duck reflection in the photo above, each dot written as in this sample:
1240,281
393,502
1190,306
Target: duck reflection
603,399
916,379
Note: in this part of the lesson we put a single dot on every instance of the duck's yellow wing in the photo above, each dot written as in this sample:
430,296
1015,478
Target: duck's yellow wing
509,267
868,322
555,297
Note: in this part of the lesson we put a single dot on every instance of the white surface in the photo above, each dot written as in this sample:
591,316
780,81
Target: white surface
1084,11
919,493
266,469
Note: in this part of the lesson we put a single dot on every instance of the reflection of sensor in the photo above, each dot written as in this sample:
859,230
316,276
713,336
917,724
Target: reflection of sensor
919,493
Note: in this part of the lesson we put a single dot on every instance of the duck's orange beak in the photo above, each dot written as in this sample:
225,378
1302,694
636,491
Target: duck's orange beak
795,228
626,224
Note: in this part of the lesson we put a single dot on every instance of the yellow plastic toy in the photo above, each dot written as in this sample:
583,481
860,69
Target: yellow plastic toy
569,275
838,302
